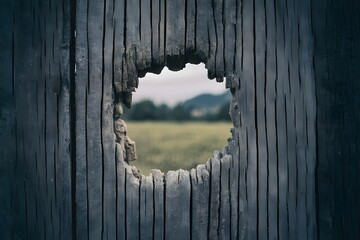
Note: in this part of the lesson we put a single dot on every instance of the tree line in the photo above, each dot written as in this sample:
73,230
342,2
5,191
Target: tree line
147,110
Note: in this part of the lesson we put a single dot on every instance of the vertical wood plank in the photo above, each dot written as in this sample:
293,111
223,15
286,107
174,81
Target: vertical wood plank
120,194
118,43
200,187
201,37
214,196
146,208
81,86
175,34
177,205
225,207
270,95
219,26
107,129
249,118
230,8
132,206
95,149
145,34
261,124
159,204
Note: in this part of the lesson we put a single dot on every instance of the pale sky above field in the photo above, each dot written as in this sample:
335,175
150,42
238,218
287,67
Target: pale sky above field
173,87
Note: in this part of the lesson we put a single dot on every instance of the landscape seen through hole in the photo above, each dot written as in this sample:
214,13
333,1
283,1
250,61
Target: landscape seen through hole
178,119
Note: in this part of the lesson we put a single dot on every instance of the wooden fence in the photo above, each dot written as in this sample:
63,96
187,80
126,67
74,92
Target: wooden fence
67,64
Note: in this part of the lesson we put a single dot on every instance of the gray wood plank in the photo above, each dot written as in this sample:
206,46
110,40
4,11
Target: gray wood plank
132,26
120,194
201,38
214,196
81,82
200,188
212,41
155,33
146,207
107,129
132,206
119,43
175,34
261,124
307,72
162,26
282,133
190,29
159,204
239,38
225,207
95,26
219,26
272,145
230,7
132,45
145,35
64,165
177,205
249,117
291,97
234,184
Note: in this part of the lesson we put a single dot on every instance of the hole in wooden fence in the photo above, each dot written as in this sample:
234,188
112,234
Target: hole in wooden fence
178,119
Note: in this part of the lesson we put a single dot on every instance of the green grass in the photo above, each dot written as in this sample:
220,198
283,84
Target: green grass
171,146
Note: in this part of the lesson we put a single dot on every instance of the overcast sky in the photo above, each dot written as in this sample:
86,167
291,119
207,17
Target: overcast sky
173,87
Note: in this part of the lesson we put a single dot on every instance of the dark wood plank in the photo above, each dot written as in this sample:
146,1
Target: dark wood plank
307,72
7,119
177,205
64,168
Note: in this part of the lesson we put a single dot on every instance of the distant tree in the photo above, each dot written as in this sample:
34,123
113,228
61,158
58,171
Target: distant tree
144,110
163,112
181,113
223,114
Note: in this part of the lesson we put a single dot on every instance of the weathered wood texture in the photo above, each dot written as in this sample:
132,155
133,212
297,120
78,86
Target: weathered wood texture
263,184
35,126
64,176
337,62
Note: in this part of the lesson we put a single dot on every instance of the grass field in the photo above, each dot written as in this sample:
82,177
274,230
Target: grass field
171,146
